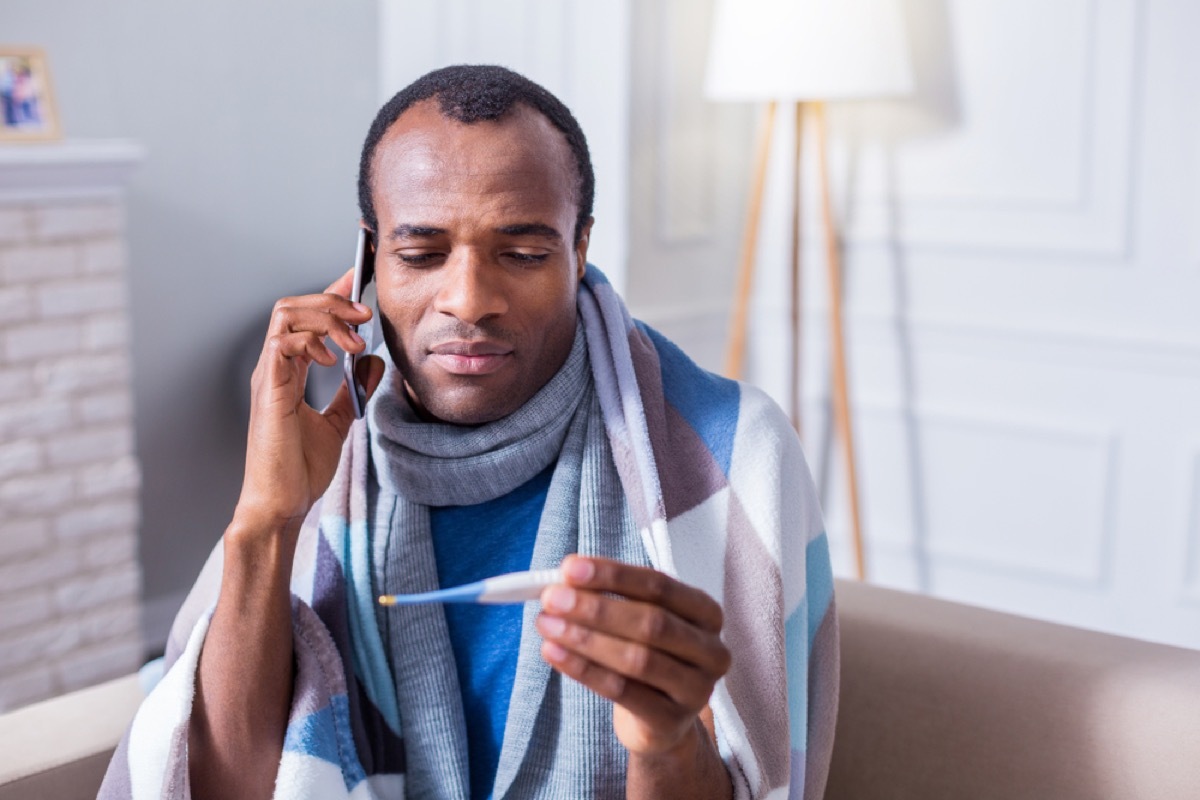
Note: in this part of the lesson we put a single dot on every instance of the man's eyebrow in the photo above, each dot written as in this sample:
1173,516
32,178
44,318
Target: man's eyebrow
415,232
530,229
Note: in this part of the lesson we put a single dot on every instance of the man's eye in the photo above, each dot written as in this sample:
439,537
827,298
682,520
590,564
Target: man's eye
528,258
418,259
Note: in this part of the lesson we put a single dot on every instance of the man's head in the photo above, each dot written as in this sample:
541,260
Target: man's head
471,94
478,186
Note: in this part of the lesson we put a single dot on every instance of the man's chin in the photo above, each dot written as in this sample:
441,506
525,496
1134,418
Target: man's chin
461,405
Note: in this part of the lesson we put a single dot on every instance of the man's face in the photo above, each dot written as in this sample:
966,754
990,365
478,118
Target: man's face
476,267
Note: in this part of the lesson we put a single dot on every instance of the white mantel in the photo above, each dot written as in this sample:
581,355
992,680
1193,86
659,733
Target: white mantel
69,170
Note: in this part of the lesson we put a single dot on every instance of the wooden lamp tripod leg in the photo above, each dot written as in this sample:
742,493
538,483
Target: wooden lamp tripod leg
737,326
737,330
841,391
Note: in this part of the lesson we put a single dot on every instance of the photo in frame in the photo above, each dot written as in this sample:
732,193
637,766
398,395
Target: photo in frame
28,112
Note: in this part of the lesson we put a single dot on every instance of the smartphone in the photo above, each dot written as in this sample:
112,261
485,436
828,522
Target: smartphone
364,271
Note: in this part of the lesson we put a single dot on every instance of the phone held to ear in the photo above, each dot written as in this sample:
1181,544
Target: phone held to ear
364,271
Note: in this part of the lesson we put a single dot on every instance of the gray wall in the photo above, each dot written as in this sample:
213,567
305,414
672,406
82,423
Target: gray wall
252,115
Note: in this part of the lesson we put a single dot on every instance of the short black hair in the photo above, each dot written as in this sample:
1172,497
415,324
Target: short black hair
469,93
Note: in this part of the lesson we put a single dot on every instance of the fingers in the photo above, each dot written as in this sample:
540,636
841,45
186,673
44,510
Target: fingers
297,332
331,301
648,585
319,321
325,314
640,699
638,637
328,314
638,622
597,654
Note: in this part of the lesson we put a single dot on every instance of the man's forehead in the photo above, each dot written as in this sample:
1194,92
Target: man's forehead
426,157
424,138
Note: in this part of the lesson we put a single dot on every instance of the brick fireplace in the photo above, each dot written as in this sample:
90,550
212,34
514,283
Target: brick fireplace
69,479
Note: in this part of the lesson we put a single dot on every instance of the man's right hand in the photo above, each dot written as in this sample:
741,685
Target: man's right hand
293,449
244,684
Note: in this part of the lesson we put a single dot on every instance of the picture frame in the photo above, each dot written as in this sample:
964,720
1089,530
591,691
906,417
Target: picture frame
28,111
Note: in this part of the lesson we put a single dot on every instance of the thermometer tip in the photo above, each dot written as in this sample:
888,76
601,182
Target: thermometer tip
387,600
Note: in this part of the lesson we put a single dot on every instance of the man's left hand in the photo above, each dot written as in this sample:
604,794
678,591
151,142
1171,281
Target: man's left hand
640,638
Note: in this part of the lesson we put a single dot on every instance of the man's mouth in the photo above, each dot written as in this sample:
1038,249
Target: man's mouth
470,358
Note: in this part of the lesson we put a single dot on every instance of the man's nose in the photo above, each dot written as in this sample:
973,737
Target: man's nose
472,289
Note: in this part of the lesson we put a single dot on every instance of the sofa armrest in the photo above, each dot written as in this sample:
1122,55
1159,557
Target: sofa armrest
942,700
59,749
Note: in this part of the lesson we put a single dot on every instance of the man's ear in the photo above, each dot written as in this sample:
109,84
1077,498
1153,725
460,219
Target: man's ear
581,247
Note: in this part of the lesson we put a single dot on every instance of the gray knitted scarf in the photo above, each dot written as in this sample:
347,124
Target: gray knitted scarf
558,738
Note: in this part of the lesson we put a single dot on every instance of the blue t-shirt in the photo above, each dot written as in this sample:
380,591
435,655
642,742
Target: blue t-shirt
472,543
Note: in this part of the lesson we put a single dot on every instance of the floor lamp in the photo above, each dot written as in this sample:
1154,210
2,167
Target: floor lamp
798,54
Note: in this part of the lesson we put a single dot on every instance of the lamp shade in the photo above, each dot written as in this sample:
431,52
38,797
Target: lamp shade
807,50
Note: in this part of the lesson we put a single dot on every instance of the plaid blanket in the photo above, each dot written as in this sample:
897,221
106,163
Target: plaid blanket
718,489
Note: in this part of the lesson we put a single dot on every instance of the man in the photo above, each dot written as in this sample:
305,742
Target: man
519,419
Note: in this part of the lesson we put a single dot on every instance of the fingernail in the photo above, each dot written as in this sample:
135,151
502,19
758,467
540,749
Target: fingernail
560,598
354,335
554,651
580,569
551,626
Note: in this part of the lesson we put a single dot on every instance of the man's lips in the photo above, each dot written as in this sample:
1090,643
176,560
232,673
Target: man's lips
470,358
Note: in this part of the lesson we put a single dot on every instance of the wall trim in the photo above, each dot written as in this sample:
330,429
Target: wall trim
78,169
1128,352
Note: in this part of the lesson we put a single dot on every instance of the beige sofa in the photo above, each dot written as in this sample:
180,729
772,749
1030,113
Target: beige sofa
59,749
939,702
